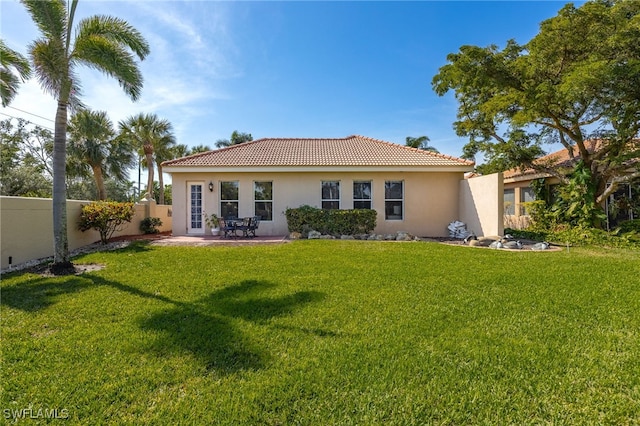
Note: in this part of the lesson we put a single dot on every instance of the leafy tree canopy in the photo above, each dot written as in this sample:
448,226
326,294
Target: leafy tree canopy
25,159
577,80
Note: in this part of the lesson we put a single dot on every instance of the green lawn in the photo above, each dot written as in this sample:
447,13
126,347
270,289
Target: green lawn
328,332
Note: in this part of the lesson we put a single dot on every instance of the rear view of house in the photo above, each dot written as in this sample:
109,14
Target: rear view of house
411,190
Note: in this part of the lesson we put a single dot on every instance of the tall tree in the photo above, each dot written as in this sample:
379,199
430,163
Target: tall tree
577,79
236,138
104,43
94,146
11,60
148,132
421,142
25,159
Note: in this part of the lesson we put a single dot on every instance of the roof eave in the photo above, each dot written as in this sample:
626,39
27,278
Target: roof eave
463,168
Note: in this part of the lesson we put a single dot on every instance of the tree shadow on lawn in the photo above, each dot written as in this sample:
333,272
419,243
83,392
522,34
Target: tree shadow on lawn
206,327
40,293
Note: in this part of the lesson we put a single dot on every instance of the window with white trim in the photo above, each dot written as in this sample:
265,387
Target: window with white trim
229,199
362,194
331,194
263,200
394,200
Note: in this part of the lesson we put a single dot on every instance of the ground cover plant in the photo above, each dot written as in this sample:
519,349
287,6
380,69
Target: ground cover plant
327,332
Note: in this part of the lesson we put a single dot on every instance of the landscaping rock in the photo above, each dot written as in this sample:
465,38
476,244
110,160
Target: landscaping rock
513,245
496,245
540,246
314,235
403,236
295,236
482,242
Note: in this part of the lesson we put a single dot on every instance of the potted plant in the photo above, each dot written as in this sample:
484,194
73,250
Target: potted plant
212,223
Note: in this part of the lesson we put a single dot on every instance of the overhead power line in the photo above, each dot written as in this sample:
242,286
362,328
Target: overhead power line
30,113
30,122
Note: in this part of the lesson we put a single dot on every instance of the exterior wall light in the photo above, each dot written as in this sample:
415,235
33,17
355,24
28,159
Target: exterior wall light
211,186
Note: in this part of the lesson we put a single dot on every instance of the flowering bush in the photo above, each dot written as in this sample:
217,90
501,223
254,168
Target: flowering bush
106,217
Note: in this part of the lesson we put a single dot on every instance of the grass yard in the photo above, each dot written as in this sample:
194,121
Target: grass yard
327,332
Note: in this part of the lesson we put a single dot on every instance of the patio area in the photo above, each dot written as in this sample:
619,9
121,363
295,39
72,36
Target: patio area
210,240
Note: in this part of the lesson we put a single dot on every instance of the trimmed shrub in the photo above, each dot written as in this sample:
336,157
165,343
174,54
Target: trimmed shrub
629,226
106,217
333,222
578,236
149,225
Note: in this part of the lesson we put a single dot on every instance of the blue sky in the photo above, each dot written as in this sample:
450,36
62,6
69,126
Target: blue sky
289,69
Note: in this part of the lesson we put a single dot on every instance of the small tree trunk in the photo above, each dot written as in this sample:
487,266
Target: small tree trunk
99,178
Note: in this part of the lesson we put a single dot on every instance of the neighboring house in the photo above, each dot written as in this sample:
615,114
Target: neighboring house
412,190
518,190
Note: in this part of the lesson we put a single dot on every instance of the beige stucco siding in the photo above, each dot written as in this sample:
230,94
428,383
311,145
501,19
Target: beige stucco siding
430,199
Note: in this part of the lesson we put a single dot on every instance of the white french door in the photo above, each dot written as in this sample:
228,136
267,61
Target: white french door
195,203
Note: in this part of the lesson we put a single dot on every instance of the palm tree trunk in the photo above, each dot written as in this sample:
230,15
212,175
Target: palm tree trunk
60,240
148,152
99,178
161,182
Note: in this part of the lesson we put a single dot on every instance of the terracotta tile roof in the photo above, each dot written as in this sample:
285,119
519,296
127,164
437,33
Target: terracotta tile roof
291,152
557,159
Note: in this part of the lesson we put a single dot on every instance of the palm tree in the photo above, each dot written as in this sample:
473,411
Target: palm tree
198,149
105,43
236,139
148,132
8,80
93,145
421,142
164,151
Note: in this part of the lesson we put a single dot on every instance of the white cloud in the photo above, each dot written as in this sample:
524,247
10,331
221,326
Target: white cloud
192,53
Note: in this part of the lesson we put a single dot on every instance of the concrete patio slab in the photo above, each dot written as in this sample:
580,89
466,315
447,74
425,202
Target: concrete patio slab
209,240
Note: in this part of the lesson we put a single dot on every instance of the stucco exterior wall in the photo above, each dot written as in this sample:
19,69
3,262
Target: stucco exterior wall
26,227
430,199
482,204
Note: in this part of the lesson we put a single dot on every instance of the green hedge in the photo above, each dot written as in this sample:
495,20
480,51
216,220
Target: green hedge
629,226
580,236
333,222
149,225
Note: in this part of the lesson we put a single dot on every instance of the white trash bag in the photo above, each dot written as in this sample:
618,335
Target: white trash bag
458,229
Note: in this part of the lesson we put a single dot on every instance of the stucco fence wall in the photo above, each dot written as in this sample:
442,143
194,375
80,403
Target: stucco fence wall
26,227
482,204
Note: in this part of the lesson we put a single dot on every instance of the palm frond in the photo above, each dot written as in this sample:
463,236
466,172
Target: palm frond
116,30
112,59
49,64
49,16
11,60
